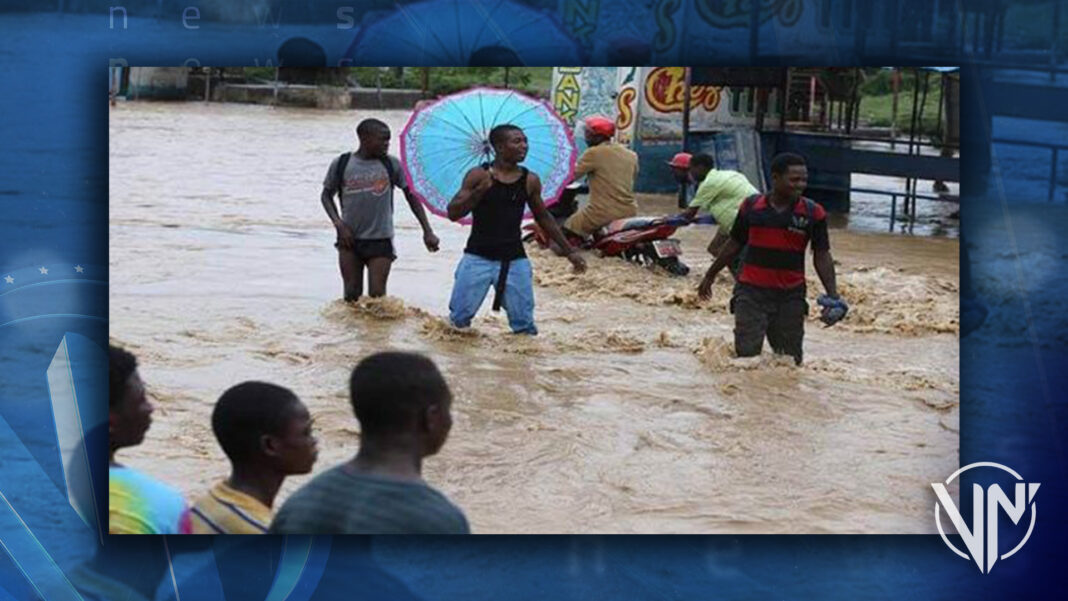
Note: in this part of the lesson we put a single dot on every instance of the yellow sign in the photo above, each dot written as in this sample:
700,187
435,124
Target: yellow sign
665,89
567,94
625,109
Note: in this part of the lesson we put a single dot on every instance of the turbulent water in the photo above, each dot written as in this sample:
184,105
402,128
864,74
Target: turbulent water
627,414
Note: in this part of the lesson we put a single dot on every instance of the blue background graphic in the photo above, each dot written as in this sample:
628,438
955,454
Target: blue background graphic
1014,371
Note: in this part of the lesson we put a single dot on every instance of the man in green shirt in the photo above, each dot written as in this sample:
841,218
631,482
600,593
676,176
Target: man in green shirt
720,193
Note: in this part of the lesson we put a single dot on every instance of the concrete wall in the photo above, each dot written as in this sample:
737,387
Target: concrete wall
162,83
323,97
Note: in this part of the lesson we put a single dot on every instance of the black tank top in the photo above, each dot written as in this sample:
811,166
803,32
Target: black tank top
496,221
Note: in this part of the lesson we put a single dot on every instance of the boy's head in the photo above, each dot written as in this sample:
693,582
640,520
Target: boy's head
374,137
129,412
263,425
509,142
700,165
789,175
400,396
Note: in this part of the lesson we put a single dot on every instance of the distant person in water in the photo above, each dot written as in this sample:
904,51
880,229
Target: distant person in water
137,502
680,172
364,181
720,193
404,408
266,432
496,195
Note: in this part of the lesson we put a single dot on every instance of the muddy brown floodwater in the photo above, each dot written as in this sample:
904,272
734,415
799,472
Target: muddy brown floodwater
627,414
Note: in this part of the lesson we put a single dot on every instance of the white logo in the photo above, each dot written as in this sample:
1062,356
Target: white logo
985,515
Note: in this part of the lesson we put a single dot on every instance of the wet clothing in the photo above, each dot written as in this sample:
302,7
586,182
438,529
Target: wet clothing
473,278
371,249
140,504
495,257
366,195
611,169
344,501
777,314
769,298
496,221
720,194
225,510
774,242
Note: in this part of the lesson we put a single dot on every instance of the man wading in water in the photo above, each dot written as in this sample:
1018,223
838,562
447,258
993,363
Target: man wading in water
364,182
496,196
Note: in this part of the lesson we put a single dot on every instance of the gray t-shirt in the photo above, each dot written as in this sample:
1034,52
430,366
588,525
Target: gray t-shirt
367,198
343,501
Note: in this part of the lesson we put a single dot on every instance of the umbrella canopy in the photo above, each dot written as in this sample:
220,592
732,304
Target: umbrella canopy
462,32
445,139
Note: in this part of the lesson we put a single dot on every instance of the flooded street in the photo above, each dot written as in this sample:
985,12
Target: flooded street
626,415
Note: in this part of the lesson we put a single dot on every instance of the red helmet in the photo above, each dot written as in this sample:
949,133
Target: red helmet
681,160
601,126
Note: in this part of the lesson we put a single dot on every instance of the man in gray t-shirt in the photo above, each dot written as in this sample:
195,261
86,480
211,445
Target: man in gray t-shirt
403,405
365,224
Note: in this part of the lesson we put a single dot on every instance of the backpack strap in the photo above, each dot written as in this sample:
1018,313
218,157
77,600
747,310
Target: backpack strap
339,176
387,162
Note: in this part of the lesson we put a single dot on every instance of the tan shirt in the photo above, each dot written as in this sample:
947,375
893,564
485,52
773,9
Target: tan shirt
611,170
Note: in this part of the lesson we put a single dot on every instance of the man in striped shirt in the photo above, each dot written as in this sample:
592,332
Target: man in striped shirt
267,433
403,405
775,229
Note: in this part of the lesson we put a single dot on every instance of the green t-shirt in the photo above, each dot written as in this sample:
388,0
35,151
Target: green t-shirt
343,501
720,195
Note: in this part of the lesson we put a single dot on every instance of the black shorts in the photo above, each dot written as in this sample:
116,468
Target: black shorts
372,249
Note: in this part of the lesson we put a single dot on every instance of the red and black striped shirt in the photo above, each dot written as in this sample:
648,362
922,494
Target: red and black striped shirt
774,242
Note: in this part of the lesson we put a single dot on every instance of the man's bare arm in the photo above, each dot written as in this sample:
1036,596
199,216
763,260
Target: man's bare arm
475,184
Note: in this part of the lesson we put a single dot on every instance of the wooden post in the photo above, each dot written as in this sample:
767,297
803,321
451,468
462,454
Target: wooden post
923,101
895,87
426,82
506,70
784,104
378,87
686,109
685,126
761,107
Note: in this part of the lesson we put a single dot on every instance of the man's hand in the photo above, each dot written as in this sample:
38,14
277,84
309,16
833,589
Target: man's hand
834,309
346,238
704,291
431,241
578,264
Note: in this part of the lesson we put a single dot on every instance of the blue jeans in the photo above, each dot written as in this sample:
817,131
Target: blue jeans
475,275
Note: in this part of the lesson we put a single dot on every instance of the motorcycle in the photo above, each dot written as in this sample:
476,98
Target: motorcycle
643,240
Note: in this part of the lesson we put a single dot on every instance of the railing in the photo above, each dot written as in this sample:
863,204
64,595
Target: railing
1055,148
907,196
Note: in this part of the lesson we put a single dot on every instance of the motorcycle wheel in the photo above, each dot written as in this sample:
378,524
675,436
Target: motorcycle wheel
674,266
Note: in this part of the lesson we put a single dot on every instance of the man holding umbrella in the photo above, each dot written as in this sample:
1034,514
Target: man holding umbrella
496,195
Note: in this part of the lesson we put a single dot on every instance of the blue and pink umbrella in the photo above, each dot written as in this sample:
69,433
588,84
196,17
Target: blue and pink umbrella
445,139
